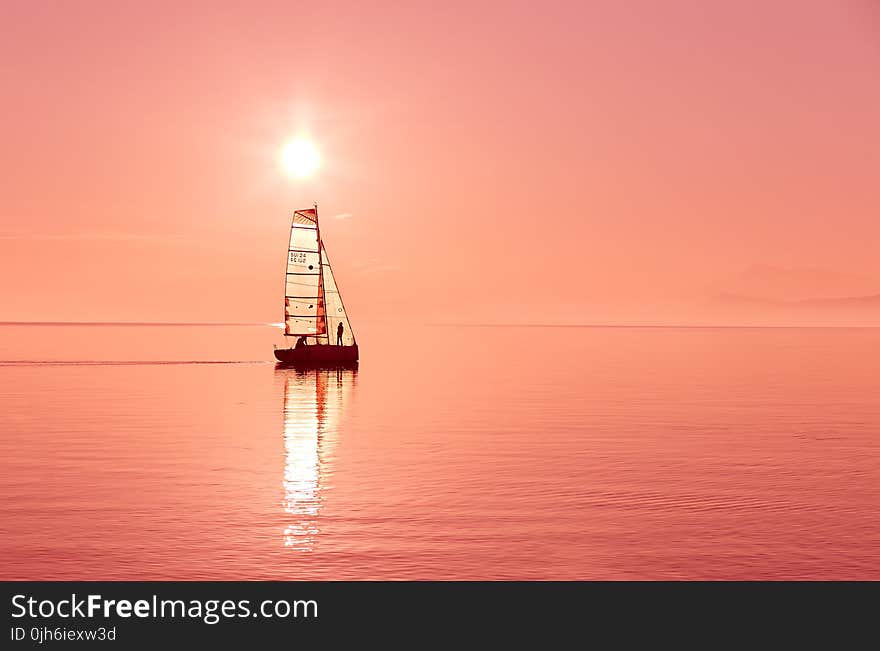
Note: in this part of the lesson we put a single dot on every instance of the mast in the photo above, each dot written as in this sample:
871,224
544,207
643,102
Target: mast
322,300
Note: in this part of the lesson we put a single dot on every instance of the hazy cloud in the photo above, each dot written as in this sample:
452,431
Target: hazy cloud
376,265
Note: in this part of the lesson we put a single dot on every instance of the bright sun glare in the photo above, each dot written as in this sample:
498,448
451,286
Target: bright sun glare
300,158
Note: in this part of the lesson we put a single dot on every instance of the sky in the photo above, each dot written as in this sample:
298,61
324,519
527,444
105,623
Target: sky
564,162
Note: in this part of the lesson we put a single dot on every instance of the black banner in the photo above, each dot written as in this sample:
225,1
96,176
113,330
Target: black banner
135,614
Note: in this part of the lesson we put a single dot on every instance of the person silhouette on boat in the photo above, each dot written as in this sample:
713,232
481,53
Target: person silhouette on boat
339,330
301,342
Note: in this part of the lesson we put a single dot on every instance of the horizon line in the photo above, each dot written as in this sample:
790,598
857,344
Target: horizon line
680,326
132,323
441,325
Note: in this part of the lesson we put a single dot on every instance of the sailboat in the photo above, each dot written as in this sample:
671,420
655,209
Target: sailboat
313,311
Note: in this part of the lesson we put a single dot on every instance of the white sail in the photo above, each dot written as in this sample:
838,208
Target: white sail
304,312
334,308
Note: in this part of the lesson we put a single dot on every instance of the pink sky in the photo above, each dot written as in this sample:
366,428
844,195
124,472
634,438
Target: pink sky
511,161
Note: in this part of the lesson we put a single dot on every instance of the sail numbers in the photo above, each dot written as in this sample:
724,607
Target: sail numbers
297,257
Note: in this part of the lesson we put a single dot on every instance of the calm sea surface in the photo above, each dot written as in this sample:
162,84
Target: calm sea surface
453,452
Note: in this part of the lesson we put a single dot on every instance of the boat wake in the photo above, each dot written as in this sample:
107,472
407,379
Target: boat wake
28,362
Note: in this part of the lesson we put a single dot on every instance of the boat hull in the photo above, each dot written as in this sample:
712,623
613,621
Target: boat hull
318,355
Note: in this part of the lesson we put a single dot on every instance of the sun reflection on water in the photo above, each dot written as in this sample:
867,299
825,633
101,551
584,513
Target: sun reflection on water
314,401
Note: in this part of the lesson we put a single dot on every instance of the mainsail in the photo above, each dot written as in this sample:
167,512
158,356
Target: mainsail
312,303
304,312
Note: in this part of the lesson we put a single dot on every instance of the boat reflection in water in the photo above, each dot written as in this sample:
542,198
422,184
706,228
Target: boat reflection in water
314,403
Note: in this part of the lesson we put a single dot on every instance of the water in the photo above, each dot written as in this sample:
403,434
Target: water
453,452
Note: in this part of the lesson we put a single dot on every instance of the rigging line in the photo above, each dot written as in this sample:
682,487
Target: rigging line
341,302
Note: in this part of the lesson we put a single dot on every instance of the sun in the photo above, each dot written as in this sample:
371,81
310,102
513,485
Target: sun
300,158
